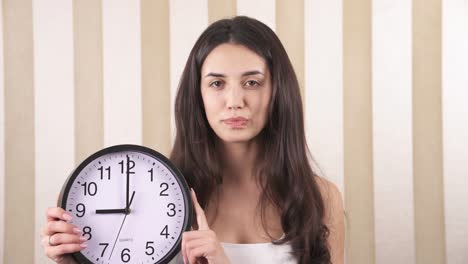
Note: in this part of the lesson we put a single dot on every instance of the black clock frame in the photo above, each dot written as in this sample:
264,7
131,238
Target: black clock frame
63,197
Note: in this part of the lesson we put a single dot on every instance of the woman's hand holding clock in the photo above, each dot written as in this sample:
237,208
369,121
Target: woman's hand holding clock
90,192
59,238
202,245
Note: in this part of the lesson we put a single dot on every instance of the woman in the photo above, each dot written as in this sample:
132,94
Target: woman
241,145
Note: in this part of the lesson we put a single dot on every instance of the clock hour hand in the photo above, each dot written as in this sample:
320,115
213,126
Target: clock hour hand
111,211
116,211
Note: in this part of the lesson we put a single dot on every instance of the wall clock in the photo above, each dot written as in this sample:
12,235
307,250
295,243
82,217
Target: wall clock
131,204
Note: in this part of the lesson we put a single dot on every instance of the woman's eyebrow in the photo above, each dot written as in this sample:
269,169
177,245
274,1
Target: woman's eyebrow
252,73
247,73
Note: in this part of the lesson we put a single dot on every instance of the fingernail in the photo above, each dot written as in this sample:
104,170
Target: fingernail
82,238
76,231
83,245
67,217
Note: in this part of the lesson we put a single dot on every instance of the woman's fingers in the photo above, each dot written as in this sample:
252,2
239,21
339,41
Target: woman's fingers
196,243
63,238
202,245
59,237
53,227
195,254
192,240
54,213
57,221
201,218
192,235
55,251
187,237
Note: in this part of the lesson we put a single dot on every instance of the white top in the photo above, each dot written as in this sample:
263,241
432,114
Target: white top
258,253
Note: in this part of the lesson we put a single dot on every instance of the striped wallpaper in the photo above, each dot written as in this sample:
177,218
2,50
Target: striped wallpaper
384,85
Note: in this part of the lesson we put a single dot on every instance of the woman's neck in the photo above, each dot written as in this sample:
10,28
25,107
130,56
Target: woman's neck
238,161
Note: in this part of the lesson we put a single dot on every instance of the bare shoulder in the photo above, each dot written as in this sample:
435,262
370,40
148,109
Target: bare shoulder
332,198
334,218
329,190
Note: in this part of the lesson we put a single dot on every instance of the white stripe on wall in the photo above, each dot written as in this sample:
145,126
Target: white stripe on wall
455,127
263,10
188,19
2,138
392,131
54,104
122,72
323,91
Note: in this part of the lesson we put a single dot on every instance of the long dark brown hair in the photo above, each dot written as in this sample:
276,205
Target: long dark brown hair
283,169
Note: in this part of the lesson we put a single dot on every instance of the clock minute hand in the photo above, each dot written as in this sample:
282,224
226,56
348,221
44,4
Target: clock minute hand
130,166
127,204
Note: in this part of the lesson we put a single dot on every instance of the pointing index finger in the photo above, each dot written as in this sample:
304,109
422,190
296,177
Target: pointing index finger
201,218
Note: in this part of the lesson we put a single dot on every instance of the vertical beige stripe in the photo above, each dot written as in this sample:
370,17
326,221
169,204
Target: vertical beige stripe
290,29
188,19
218,9
89,123
427,132
392,131
263,10
20,237
358,131
156,87
2,140
323,86
121,39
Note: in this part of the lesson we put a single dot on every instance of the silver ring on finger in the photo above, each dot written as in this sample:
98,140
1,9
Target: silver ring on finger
50,244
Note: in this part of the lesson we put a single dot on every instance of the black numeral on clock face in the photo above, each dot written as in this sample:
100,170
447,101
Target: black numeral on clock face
87,231
149,249
89,188
165,186
104,249
164,232
127,165
108,169
151,174
171,207
125,255
81,209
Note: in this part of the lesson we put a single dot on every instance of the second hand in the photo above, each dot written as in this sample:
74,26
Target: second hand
117,236
115,242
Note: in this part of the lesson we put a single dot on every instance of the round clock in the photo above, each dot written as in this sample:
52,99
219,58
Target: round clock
131,204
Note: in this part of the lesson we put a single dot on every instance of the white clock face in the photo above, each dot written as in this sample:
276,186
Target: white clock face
149,230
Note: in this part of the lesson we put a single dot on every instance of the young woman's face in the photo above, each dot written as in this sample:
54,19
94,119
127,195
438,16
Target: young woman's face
235,83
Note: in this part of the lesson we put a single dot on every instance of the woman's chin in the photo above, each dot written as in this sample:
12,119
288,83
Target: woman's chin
238,138
235,140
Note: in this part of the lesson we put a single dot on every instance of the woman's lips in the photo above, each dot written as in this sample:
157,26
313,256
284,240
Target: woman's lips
236,122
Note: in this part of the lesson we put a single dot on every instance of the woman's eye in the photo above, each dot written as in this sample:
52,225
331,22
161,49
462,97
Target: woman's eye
252,83
215,84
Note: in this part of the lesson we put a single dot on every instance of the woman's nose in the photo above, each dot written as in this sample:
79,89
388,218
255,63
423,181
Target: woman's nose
235,97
